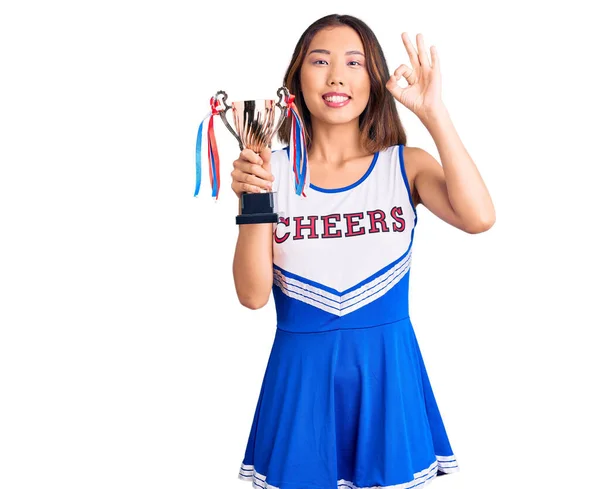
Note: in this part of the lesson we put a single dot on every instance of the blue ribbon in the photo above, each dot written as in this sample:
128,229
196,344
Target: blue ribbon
299,152
198,159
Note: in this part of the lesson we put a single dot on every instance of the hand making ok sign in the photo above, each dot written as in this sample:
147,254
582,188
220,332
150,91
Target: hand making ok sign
423,95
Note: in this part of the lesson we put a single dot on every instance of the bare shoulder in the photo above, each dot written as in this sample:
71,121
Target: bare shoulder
429,186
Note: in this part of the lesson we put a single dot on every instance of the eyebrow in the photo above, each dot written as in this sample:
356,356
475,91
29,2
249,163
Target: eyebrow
325,51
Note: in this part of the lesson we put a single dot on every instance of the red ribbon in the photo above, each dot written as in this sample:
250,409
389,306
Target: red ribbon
289,100
213,153
213,105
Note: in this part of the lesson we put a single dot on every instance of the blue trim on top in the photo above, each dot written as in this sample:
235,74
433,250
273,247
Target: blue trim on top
331,290
307,281
348,187
403,169
351,186
339,303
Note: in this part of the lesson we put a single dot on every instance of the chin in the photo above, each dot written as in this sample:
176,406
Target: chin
338,118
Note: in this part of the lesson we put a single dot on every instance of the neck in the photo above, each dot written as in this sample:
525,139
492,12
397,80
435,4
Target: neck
335,143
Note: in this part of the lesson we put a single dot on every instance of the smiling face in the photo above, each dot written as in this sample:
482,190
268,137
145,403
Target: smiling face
335,64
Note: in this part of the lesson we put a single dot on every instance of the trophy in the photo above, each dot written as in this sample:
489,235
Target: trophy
255,123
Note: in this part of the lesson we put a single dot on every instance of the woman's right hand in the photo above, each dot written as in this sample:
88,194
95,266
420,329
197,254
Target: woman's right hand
252,172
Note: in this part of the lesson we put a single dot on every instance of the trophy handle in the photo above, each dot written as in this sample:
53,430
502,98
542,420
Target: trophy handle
223,114
283,93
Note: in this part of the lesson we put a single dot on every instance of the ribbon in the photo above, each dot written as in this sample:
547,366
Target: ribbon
298,151
213,153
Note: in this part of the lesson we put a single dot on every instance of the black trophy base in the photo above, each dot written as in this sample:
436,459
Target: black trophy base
257,208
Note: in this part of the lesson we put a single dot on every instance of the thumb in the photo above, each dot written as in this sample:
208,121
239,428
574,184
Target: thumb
392,85
265,155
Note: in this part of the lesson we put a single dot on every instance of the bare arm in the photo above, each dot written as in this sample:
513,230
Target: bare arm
453,191
253,264
253,258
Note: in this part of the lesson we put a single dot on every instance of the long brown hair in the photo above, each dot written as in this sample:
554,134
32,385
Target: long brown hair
379,123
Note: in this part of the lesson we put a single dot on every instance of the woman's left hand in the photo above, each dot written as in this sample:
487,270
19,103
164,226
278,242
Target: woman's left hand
423,95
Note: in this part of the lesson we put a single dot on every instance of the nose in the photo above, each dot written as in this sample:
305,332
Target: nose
335,80
334,75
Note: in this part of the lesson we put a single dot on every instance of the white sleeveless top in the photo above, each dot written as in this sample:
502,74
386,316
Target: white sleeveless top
342,256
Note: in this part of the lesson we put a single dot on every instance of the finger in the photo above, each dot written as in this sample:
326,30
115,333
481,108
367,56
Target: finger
251,156
392,85
239,187
242,177
254,169
412,53
406,72
423,57
265,155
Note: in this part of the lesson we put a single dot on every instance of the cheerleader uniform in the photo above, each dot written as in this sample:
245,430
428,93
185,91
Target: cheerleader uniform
345,400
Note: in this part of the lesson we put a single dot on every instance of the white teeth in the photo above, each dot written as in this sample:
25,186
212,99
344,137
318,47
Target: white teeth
336,99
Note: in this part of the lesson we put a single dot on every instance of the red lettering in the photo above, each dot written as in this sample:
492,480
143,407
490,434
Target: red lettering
396,213
286,221
310,226
351,224
355,225
327,225
377,217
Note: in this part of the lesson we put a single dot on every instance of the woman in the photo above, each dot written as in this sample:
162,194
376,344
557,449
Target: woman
346,400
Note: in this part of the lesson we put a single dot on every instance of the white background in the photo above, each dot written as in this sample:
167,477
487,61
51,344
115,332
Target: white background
126,360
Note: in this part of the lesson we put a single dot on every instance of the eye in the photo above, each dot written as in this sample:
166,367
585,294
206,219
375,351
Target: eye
323,61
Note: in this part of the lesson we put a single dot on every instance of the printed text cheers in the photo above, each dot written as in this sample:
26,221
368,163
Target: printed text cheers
339,225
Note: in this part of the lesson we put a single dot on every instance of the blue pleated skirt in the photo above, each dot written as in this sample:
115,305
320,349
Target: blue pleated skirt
347,408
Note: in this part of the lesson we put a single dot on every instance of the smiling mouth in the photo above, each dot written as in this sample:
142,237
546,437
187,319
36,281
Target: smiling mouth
336,99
